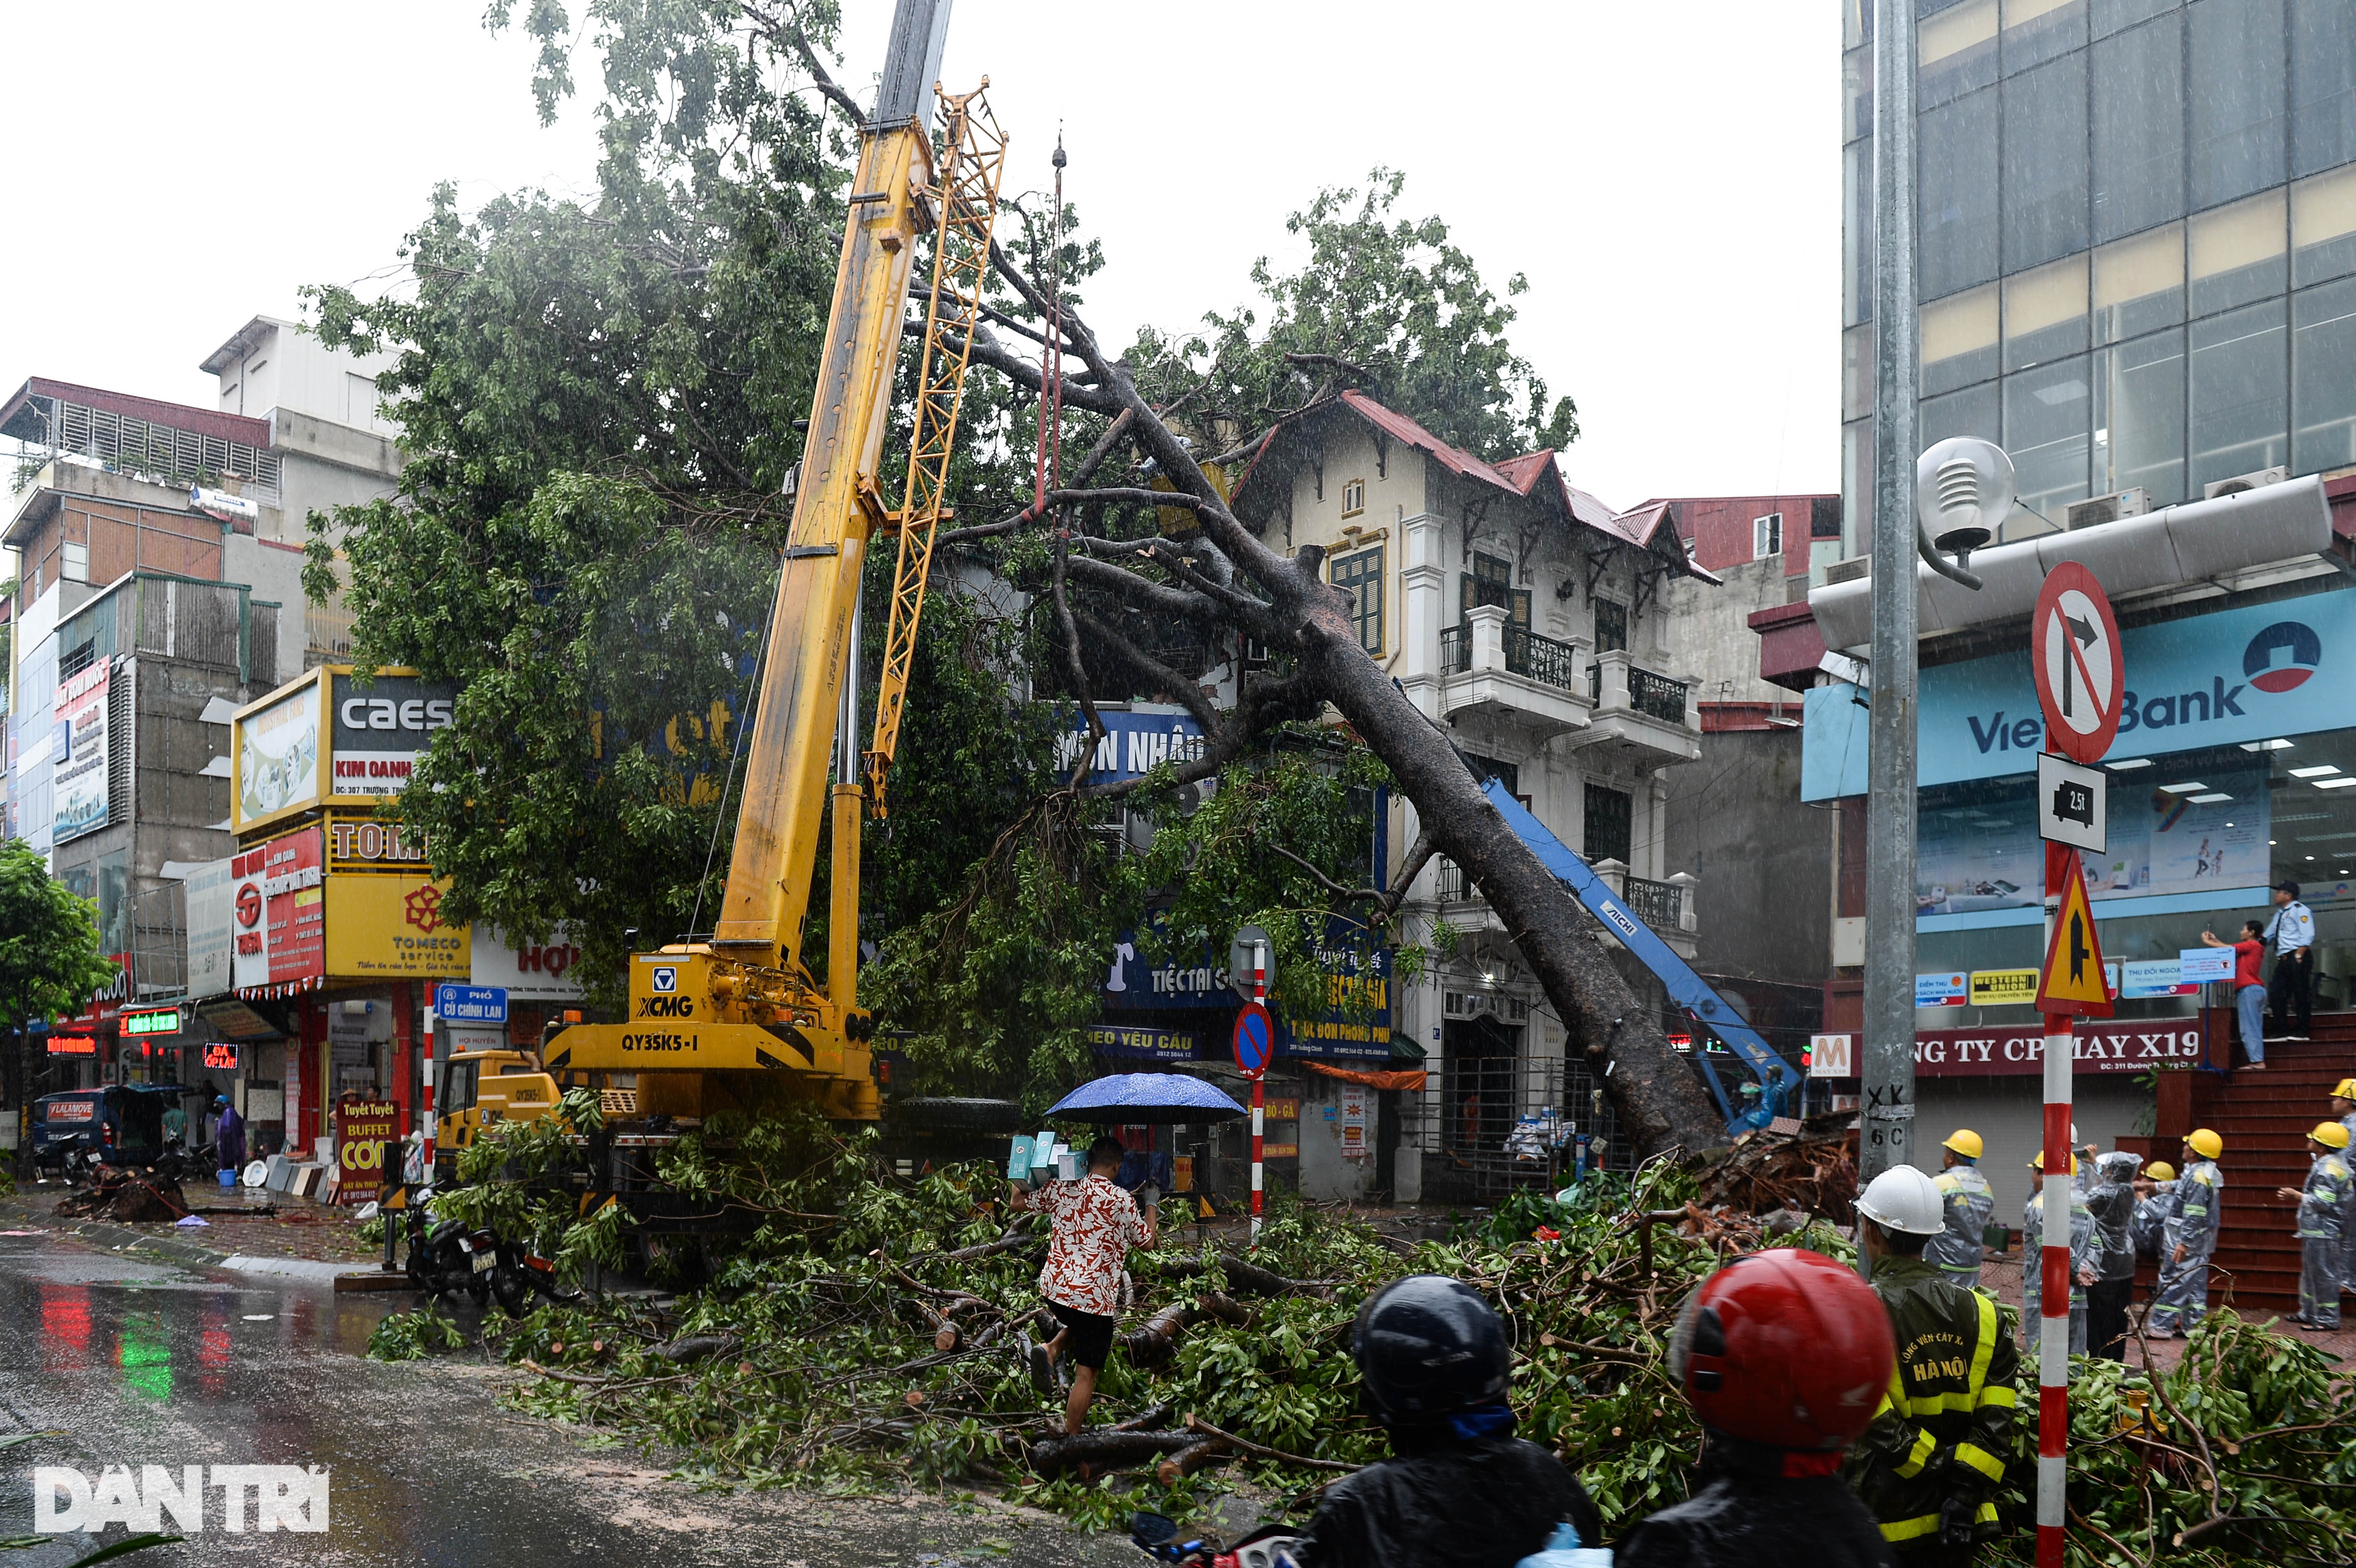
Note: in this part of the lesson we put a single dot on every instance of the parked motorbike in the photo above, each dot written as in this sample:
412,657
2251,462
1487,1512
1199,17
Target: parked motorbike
1157,1536
74,1157
520,1277
446,1257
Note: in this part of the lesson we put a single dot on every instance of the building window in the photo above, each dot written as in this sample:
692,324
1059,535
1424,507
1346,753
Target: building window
2323,377
1611,626
1361,577
1610,824
1353,497
1766,535
2240,141
1491,581
2240,393
76,563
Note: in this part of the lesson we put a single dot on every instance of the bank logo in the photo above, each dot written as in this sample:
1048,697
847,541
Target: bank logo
2281,657
259,1497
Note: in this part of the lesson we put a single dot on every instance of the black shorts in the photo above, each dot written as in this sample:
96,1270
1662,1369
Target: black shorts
1087,1338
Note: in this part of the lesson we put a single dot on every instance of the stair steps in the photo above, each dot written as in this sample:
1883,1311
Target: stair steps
2264,1118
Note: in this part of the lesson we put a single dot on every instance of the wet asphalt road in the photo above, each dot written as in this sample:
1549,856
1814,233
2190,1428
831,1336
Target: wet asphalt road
139,1363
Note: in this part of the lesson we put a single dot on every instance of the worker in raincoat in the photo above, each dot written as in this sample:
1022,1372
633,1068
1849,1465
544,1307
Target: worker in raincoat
2154,1226
2181,1299
2322,1225
2344,1106
1965,1195
1931,1465
2112,1202
2032,1274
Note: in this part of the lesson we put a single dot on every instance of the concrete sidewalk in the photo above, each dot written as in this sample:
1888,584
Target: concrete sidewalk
2003,1277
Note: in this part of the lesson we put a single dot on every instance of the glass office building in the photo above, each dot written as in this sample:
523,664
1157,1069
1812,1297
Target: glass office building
2137,226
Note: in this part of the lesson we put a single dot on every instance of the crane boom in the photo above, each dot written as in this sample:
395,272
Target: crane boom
745,1003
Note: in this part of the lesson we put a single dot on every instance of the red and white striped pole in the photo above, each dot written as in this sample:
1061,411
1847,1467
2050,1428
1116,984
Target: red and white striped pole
1260,1086
2054,1283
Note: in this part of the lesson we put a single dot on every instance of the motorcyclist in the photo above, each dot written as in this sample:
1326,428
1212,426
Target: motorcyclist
2083,1270
2323,1207
2181,1299
1930,1466
1785,1356
2112,1202
1462,1490
1969,1203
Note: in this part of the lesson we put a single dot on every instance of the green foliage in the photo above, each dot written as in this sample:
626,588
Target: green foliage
1389,294
49,959
413,1335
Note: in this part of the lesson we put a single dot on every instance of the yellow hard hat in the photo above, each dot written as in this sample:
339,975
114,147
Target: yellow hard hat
2330,1134
2204,1143
2160,1170
1966,1142
2347,1089
2039,1163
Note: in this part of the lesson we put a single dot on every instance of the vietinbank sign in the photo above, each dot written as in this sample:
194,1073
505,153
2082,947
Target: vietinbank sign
2284,668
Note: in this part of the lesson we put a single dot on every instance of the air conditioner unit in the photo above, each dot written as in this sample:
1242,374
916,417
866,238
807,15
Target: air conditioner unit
2241,482
2129,503
1849,570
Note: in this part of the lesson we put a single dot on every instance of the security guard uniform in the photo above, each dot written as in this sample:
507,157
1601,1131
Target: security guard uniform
1931,1464
1968,1202
2322,1223
2182,1297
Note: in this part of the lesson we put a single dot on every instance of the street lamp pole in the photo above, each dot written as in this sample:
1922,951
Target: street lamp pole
1885,1066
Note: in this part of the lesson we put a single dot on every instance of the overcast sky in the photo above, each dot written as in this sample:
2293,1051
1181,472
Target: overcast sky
1666,177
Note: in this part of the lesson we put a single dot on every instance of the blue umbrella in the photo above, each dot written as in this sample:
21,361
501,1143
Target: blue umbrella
1147,1099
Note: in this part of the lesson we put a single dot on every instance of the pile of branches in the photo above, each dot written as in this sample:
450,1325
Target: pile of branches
876,1332
128,1197
1809,1173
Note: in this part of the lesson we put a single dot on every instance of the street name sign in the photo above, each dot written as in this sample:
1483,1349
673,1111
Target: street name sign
471,1004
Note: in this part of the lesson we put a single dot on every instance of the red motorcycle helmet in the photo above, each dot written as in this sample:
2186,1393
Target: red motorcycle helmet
1784,1347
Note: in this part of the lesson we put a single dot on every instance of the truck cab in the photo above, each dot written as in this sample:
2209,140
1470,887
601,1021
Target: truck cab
480,1088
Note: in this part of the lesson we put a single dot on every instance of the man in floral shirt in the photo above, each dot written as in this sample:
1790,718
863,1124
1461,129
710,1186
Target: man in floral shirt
1093,1225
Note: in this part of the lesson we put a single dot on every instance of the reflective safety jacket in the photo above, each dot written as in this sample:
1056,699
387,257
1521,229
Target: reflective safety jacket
2155,1223
1963,1192
2323,1204
1945,1426
2199,1204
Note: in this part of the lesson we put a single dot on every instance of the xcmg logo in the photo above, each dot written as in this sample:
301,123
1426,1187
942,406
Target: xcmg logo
2281,657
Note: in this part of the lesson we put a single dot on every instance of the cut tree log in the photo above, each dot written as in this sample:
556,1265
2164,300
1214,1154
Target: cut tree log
1156,1340
1106,1450
1189,1459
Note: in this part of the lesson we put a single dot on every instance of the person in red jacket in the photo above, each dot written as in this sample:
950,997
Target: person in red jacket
2249,987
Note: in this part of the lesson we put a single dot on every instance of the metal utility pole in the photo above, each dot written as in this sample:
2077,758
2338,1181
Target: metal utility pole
1886,1067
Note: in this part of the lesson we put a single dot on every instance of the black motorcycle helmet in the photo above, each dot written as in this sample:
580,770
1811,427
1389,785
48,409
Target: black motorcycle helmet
1429,1346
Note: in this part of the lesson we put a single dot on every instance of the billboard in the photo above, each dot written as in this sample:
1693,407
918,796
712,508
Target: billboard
77,762
274,748
379,727
392,928
543,971
210,938
276,915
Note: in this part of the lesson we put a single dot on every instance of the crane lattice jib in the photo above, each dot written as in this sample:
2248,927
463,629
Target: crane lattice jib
972,158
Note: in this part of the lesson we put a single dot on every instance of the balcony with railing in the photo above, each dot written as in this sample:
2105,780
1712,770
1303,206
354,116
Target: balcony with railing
1666,906
1487,662
1644,710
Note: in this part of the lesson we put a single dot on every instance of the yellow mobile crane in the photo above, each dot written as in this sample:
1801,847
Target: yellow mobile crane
724,1023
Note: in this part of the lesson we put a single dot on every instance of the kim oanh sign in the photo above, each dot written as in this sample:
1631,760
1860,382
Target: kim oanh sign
2253,674
2019,1050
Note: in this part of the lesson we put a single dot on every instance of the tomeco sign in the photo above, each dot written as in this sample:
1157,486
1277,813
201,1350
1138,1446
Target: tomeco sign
2281,669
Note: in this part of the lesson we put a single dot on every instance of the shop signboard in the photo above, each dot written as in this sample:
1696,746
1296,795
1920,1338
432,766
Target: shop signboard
531,971
1356,1020
359,844
221,1056
210,929
151,1021
274,755
379,727
293,907
2205,966
362,1129
392,928
1941,990
73,1045
1143,1044
2145,978
2004,987
1135,744
1354,1121
77,762
249,934
2017,1051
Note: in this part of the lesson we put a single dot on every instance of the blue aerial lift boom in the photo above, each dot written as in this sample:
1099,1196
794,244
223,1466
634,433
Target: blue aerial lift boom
1777,1078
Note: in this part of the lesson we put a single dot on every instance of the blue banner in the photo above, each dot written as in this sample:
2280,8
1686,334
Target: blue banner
2254,674
1134,743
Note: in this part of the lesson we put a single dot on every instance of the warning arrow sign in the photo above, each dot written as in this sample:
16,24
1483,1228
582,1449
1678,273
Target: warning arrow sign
2071,979
2073,645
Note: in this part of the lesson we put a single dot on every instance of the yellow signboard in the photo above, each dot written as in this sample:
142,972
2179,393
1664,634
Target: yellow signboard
2004,987
392,927
2073,982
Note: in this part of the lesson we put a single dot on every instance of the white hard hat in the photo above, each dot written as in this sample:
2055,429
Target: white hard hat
1904,1199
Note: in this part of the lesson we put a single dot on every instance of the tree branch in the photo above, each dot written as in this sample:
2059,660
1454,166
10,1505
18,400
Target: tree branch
1144,594
1418,855
790,33
1074,670
1178,685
